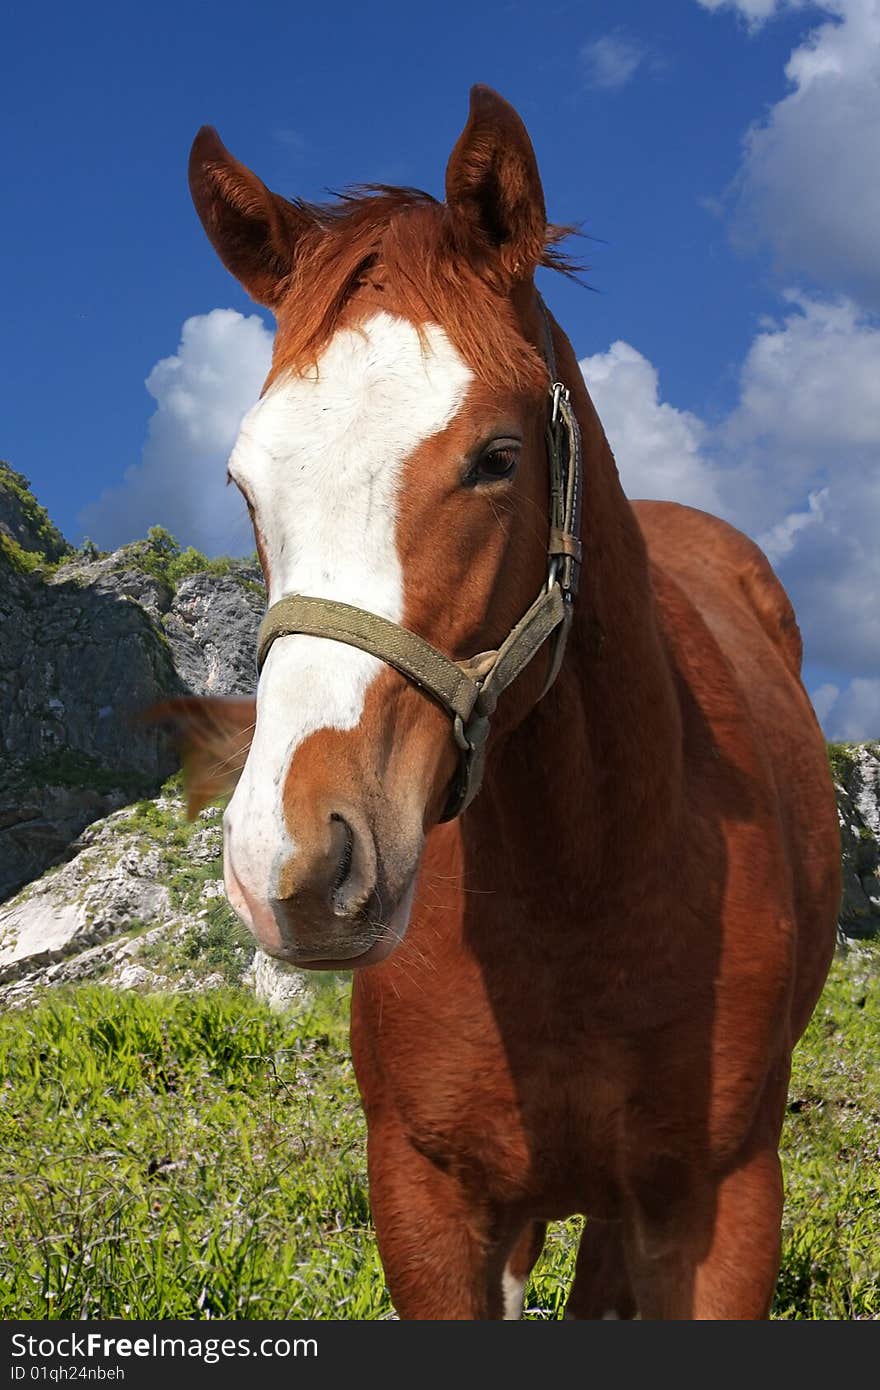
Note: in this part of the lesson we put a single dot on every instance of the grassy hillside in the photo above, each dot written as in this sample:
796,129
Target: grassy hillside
195,1156
28,537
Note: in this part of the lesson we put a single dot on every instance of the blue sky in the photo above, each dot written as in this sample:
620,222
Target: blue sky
714,150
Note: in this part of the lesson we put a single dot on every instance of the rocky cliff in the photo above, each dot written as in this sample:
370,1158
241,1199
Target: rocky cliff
139,905
856,772
92,862
88,641
103,876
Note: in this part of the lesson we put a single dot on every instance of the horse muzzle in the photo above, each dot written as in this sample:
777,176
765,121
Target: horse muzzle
329,903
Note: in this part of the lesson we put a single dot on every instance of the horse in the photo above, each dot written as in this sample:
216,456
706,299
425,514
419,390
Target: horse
578,990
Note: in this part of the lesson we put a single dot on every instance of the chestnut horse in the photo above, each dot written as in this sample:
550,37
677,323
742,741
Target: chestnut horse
583,991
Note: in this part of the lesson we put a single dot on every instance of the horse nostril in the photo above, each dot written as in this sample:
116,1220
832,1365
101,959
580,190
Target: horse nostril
346,857
354,855
333,875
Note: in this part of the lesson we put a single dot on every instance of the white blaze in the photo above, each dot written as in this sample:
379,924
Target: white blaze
321,458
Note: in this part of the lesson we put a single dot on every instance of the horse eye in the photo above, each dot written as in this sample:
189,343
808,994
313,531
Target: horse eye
495,463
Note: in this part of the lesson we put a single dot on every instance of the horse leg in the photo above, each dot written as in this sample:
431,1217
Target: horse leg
520,1263
445,1251
718,1255
601,1287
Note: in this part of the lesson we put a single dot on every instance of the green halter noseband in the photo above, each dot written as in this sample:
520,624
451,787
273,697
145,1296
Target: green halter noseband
469,690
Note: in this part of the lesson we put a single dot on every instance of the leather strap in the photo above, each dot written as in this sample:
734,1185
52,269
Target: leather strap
564,451
547,614
469,690
408,653
549,349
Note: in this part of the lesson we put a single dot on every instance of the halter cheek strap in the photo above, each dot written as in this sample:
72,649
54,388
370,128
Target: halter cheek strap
469,690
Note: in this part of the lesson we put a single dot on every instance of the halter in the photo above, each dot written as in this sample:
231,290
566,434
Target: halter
469,690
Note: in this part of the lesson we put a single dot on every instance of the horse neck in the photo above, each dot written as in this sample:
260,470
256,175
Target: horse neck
594,771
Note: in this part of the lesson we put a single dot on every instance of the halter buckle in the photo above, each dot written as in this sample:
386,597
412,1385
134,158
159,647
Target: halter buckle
559,392
460,734
469,736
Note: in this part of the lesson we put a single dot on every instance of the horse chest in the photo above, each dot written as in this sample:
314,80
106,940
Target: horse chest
530,1119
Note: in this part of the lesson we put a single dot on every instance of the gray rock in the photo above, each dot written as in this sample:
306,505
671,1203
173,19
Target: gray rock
78,664
125,573
109,913
84,650
111,887
857,783
212,628
281,986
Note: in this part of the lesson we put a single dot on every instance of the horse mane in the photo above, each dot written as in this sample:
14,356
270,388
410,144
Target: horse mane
404,242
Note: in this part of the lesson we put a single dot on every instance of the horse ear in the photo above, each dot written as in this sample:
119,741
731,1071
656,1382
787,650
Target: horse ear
253,230
493,188
214,737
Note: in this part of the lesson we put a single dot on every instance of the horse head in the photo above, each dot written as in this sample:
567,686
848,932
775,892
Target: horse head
396,462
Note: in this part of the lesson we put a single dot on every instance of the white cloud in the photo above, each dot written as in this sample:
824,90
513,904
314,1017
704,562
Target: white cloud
808,415
853,715
812,380
823,700
610,61
832,572
201,394
796,464
657,447
801,471
754,12
779,540
808,186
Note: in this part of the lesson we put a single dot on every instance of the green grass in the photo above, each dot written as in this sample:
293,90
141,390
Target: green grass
159,556
162,557
182,1158
831,1152
22,561
842,760
217,943
191,1157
